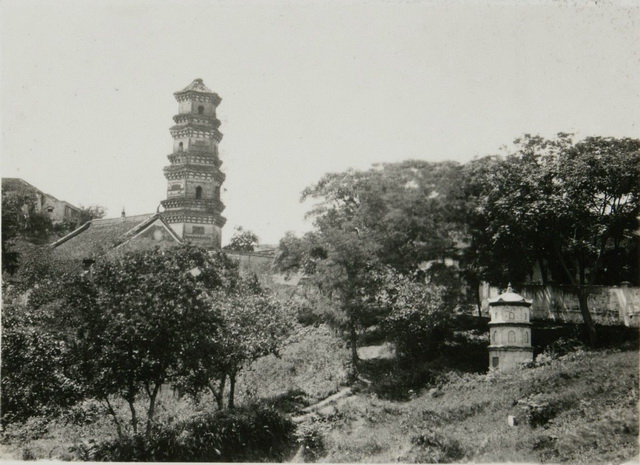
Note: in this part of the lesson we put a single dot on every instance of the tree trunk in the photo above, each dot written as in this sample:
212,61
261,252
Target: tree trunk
218,392
353,337
543,271
112,412
583,294
153,395
232,389
134,416
476,288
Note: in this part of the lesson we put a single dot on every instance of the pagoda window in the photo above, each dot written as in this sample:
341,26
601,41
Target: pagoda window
526,336
200,110
180,147
511,336
198,192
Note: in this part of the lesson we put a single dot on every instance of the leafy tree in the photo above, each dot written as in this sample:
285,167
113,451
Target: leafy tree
397,215
242,240
568,206
408,208
12,224
91,212
339,265
138,320
252,325
37,370
20,221
420,316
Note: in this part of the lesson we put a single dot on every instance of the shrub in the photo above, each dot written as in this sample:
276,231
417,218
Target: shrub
292,401
434,447
541,409
249,434
312,440
399,382
563,346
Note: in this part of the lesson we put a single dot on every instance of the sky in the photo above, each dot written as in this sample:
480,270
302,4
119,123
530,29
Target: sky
307,87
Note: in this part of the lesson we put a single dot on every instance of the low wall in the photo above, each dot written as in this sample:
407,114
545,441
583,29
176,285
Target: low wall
608,305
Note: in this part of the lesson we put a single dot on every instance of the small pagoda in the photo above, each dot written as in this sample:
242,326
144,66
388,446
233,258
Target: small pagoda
510,331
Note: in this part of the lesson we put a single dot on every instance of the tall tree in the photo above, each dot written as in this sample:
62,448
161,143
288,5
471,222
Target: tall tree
559,203
394,215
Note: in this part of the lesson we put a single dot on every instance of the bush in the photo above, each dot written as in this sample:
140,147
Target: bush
248,434
312,440
563,346
420,321
541,409
292,401
401,381
437,448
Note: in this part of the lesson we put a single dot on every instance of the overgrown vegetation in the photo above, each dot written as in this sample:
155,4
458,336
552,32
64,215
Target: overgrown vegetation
134,324
578,408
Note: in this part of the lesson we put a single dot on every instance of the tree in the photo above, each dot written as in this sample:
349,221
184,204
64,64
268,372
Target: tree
253,325
37,369
242,240
419,318
20,221
91,212
139,320
396,215
562,204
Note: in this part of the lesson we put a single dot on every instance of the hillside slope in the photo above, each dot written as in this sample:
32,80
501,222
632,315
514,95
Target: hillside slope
581,408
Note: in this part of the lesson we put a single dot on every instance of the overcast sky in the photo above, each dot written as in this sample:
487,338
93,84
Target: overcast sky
307,88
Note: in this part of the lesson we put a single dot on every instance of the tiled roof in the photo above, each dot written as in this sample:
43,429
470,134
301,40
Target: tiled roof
196,86
99,236
509,297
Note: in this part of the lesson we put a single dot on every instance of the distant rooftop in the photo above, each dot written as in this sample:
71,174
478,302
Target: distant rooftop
98,236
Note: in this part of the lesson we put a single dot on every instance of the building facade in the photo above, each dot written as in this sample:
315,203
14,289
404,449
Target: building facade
193,207
41,202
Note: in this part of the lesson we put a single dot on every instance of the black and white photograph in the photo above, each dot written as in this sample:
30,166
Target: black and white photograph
333,231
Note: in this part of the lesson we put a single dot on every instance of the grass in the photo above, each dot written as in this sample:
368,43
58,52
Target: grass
313,365
581,408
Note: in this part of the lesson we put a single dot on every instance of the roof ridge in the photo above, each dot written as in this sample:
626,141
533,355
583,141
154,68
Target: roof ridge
72,234
119,218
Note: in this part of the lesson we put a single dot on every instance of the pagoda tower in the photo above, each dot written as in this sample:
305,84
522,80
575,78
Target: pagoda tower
193,207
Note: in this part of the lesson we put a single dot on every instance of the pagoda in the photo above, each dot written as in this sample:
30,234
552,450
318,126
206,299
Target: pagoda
193,207
510,331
